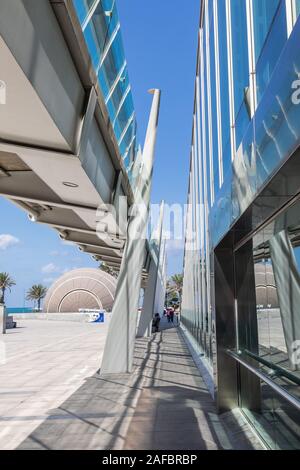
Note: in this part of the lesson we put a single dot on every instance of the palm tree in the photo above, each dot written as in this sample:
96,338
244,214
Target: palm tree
177,281
37,292
107,269
6,282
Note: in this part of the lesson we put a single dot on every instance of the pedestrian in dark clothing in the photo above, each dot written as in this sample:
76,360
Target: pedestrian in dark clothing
172,316
156,322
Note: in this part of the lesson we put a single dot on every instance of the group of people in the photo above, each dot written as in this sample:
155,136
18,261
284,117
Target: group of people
169,313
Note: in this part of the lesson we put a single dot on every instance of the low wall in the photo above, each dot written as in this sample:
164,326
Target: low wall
77,317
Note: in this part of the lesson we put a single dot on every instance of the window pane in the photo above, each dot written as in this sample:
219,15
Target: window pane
271,50
205,99
223,61
298,7
263,14
214,120
239,51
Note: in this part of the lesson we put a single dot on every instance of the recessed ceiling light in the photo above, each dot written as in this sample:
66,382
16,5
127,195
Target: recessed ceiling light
70,185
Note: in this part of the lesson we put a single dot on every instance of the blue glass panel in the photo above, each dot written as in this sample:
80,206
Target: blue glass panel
93,48
206,154
272,48
297,8
113,62
104,41
82,8
241,124
213,92
223,61
239,51
263,14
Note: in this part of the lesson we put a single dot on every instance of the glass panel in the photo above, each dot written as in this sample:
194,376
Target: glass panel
82,8
297,7
241,124
268,296
214,121
271,50
223,62
263,14
239,51
207,150
104,41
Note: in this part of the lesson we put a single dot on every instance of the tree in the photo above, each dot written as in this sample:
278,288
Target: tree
6,282
177,280
174,288
107,269
37,292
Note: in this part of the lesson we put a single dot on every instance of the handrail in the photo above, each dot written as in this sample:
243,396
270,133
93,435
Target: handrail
273,366
277,388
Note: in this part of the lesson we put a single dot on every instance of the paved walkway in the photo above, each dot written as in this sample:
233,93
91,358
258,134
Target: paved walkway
164,404
42,363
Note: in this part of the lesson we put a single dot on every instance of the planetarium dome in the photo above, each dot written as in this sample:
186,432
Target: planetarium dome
86,288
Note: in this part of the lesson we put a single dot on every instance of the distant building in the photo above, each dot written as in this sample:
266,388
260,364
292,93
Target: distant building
86,288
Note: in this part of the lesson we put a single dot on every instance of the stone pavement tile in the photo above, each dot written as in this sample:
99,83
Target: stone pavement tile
182,441
163,405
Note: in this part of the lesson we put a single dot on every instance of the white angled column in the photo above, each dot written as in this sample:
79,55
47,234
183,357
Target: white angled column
145,323
119,347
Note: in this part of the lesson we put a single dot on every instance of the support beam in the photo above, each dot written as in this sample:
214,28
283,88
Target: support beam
117,243
119,347
145,323
43,202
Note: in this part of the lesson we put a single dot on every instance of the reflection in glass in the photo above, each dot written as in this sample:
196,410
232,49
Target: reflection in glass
239,46
214,119
101,29
297,7
272,47
223,63
263,14
268,296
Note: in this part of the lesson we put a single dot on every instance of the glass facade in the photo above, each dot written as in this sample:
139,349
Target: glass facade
240,66
270,35
269,324
101,28
240,299
224,80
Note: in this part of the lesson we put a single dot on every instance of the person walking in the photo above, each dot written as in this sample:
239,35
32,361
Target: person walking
172,315
156,322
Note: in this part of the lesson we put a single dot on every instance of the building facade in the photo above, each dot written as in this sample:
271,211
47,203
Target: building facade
241,292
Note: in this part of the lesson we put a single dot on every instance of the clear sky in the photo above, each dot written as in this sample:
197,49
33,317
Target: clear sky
160,40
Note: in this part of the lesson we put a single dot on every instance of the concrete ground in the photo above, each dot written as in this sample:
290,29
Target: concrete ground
164,404
42,363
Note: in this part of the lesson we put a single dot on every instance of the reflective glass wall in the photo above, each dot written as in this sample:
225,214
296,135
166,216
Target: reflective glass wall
268,324
246,123
101,28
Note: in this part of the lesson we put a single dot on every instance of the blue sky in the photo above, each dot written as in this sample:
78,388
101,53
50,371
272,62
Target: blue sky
160,40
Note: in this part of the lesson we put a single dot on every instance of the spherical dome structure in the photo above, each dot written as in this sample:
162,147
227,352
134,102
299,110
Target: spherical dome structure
86,288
